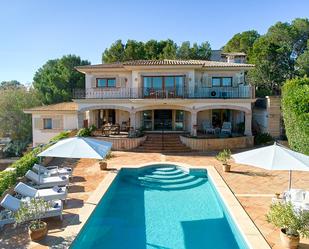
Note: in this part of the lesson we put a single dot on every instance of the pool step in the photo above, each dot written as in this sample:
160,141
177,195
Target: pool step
163,143
166,178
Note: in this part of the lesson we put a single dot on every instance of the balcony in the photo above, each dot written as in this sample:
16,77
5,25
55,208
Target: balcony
240,92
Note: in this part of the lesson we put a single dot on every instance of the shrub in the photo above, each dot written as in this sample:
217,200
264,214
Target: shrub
7,179
295,106
224,156
61,135
84,132
282,215
262,138
15,148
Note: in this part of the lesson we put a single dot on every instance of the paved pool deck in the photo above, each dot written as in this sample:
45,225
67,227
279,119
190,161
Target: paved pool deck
254,188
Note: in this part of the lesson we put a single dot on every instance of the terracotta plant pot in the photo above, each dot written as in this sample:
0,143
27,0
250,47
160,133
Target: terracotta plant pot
226,167
103,165
40,233
288,241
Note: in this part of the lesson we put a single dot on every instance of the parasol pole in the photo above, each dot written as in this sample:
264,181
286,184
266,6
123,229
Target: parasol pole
290,179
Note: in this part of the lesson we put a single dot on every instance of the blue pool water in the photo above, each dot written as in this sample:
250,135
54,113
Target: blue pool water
160,207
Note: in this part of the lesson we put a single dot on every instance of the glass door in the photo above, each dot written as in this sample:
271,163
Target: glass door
179,120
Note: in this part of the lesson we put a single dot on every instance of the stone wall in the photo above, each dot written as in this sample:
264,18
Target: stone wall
274,115
123,143
208,144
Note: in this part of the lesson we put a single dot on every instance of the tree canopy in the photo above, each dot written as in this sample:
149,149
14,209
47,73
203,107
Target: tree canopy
10,84
155,50
13,121
277,54
57,78
242,42
295,106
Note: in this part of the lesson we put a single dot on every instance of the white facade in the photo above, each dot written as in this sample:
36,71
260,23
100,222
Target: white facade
186,93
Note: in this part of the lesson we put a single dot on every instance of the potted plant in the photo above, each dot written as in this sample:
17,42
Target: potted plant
32,211
103,163
293,224
223,157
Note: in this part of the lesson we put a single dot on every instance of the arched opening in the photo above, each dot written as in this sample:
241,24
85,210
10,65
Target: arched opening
220,123
108,120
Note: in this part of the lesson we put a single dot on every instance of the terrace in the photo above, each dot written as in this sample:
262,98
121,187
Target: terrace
254,188
239,92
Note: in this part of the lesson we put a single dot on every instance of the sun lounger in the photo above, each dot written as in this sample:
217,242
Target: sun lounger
52,170
48,194
41,181
13,204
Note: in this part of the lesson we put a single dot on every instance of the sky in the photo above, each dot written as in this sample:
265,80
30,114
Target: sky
34,31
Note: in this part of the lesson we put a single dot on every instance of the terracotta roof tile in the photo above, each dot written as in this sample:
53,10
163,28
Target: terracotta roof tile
166,62
65,106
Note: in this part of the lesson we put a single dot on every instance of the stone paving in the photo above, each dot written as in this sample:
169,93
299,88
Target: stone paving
253,187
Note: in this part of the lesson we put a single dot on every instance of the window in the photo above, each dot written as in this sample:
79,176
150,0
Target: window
106,82
221,81
172,85
179,120
47,123
147,120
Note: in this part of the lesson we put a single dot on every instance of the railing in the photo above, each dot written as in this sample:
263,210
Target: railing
240,92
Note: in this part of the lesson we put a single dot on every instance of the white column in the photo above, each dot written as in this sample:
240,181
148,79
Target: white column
132,120
193,124
248,124
80,120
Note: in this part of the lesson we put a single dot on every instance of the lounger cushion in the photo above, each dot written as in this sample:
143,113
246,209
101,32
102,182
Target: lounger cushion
25,190
11,203
47,181
55,193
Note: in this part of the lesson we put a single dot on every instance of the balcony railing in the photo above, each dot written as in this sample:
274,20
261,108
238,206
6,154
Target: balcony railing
240,92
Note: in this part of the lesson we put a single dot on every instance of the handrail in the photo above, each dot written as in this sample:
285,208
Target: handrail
194,92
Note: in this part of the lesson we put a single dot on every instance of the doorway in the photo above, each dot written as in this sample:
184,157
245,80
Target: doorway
163,120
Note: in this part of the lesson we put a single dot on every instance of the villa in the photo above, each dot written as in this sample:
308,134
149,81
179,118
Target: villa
177,96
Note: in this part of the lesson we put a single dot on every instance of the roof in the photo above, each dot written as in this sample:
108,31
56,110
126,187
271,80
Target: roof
65,106
235,54
165,62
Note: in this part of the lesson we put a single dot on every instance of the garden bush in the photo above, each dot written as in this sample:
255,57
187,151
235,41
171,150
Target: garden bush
295,106
263,138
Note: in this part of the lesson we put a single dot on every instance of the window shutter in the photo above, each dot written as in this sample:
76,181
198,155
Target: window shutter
93,82
122,82
235,80
57,123
118,82
38,123
209,83
205,80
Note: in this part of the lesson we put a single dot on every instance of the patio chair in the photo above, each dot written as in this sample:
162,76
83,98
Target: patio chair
41,181
13,204
226,127
207,127
52,170
49,194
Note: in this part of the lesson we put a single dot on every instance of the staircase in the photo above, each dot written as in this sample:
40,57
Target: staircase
169,143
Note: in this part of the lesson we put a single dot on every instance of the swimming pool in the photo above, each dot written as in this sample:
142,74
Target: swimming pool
160,206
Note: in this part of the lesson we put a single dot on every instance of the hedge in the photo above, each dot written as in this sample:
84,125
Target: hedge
22,165
295,106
